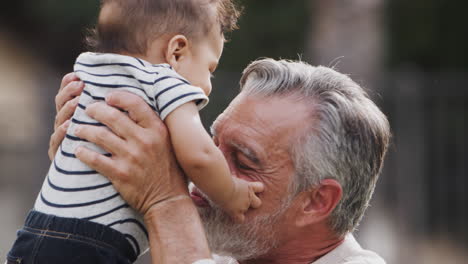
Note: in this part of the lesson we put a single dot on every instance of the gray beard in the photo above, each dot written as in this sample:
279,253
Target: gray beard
241,241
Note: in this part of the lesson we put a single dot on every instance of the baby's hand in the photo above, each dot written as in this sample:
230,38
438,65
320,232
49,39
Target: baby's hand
244,197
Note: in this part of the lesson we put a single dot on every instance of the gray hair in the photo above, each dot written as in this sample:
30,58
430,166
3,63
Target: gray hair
346,138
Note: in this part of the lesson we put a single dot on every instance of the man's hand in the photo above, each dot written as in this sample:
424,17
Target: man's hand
142,166
66,102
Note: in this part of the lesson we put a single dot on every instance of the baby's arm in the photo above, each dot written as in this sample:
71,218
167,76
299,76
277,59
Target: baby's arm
205,164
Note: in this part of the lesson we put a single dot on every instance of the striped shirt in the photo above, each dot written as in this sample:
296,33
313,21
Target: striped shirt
72,189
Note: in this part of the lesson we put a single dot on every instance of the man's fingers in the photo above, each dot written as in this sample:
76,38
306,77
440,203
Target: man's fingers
102,164
70,77
114,119
100,136
136,107
70,91
66,112
57,138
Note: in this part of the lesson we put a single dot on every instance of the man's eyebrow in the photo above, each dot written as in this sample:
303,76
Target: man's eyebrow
248,152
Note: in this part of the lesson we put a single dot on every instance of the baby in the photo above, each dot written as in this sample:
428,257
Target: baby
165,52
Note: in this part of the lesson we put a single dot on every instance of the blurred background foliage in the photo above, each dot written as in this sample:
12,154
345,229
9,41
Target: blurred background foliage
428,34
409,54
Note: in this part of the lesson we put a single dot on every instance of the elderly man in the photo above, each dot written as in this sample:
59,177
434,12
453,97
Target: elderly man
310,134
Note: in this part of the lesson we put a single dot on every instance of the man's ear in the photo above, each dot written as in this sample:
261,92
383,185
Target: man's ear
319,202
177,49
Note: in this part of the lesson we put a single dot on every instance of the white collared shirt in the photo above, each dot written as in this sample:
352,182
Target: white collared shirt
349,252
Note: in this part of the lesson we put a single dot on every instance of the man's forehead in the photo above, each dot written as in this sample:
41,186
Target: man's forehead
263,119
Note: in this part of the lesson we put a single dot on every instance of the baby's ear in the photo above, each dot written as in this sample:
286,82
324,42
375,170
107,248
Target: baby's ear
177,49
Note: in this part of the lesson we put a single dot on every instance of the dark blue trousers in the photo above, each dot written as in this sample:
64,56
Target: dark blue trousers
48,239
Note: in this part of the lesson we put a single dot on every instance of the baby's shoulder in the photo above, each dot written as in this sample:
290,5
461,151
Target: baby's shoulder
165,70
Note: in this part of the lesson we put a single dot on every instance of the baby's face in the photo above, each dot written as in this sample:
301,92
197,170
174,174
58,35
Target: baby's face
204,58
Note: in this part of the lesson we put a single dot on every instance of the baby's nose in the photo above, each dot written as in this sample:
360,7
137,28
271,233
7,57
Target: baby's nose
208,88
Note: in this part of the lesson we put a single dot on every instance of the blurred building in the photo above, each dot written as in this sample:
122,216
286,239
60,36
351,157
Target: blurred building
23,140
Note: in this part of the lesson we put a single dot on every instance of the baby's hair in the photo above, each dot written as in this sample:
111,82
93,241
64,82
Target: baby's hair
131,25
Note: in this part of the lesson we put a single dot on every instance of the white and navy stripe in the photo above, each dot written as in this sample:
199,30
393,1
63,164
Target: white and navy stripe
72,189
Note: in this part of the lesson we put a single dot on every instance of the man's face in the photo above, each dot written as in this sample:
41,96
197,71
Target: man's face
255,134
